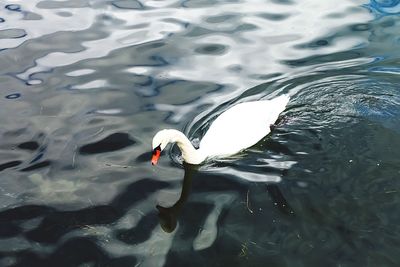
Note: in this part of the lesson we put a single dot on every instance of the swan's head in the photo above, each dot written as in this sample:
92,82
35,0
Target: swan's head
160,141
166,136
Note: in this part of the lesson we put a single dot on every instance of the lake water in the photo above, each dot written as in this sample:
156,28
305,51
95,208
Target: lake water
85,85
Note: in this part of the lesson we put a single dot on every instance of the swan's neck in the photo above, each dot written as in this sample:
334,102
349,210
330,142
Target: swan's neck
189,153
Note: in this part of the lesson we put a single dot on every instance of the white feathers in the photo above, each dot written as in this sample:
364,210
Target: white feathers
238,128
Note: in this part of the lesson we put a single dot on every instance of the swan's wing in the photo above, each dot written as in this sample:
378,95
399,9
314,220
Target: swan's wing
242,126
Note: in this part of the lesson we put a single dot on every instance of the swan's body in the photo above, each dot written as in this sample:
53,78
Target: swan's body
236,129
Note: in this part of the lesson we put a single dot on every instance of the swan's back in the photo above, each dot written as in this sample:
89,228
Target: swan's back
242,126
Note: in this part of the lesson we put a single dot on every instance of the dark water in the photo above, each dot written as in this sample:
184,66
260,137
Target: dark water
86,84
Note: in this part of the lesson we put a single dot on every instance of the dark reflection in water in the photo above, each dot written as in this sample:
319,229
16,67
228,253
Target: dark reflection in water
54,224
169,215
69,255
10,164
113,142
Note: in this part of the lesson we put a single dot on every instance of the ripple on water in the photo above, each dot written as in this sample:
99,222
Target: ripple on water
274,16
62,4
390,7
127,4
13,96
12,34
211,49
13,7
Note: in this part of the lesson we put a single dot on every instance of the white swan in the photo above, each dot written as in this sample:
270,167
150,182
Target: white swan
235,129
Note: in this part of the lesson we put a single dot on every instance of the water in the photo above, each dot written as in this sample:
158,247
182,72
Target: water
86,84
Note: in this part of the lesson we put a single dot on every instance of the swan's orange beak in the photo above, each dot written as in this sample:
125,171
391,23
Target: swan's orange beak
155,156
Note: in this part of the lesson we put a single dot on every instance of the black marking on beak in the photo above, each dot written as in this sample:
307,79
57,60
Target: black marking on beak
156,155
158,148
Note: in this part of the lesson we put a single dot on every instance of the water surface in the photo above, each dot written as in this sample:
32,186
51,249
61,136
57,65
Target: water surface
86,84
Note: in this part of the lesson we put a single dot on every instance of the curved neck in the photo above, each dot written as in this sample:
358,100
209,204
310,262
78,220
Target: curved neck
189,153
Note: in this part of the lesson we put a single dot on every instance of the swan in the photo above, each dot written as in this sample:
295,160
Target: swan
237,128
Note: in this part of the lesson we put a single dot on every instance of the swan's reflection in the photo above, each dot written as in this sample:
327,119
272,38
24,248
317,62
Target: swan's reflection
169,216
